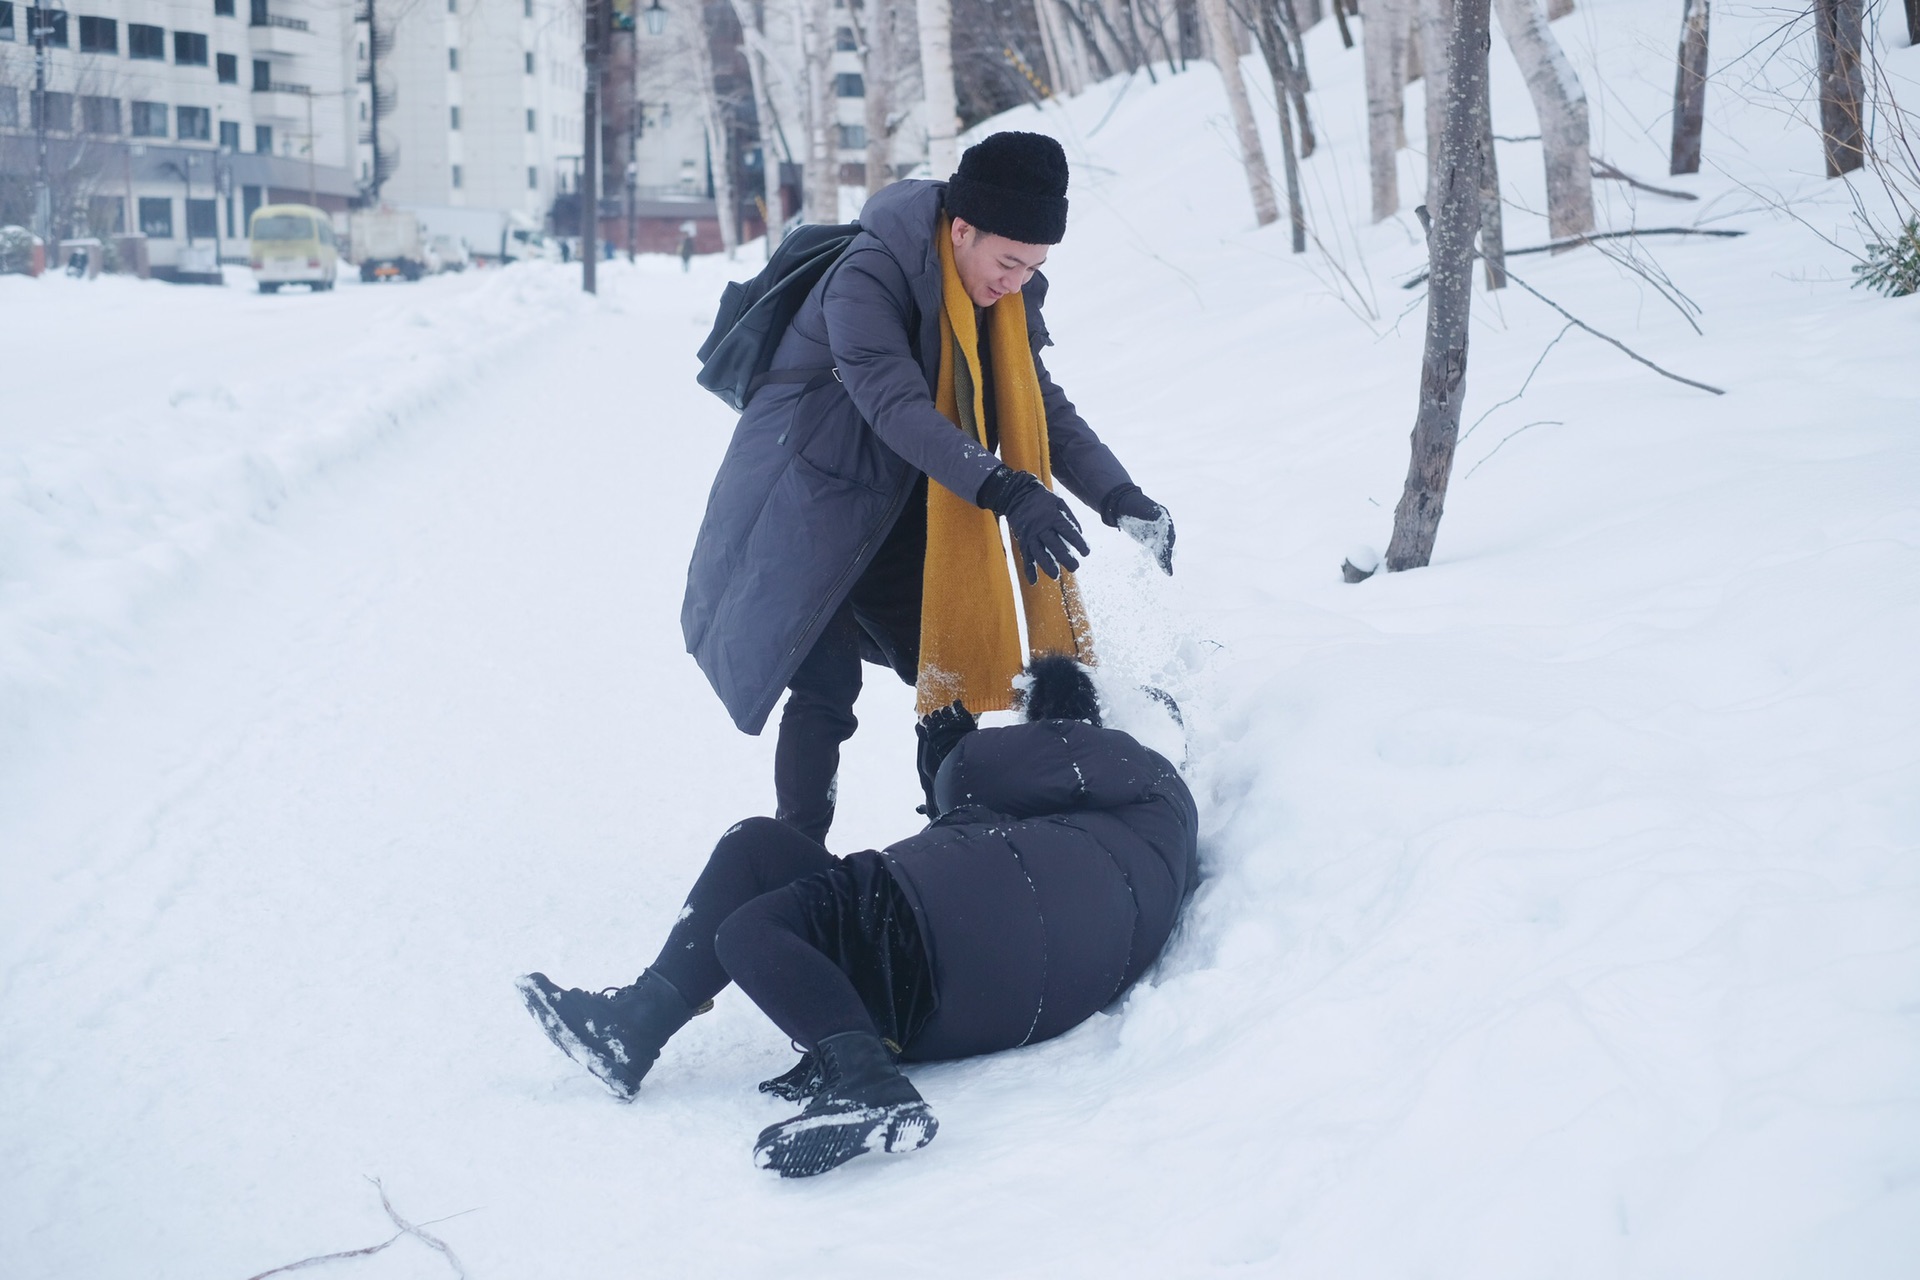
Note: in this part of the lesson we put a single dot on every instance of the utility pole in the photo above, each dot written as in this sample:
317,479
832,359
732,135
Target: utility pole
42,24
590,161
373,93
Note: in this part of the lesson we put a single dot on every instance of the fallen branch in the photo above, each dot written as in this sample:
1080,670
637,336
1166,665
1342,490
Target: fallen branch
1574,242
1615,341
1601,169
405,1229
1523,386
1510,435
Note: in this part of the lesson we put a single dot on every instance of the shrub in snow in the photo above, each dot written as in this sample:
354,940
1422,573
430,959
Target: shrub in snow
1892,266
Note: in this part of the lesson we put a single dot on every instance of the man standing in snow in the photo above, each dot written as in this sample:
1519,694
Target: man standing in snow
855,515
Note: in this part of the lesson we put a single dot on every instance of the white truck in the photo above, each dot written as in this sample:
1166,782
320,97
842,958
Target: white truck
387,245
494,236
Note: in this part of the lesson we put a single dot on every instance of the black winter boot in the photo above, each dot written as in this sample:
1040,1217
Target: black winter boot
799,1082
866,1105
616,1033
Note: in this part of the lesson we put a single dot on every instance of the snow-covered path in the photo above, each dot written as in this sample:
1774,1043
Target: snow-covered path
1562,898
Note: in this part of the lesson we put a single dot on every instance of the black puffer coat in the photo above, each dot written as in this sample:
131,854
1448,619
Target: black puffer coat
1049,883
814,479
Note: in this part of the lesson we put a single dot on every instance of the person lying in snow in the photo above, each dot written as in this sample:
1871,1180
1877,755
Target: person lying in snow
1048,880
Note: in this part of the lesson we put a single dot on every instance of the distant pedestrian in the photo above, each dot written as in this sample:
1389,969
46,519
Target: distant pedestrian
856,514
1051,876
686,251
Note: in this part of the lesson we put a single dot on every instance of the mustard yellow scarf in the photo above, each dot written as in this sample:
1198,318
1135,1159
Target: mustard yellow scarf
969,639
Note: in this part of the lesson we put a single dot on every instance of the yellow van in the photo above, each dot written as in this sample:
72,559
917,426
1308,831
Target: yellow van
292,244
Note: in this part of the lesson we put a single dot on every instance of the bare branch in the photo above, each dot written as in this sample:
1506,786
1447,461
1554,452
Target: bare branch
405,1229
1718,391
1525,383
1553,245
1510,435
1601,169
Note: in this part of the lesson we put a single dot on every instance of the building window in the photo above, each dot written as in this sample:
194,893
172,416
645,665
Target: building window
146,42
156,217
263,139
9,107
223,8
530,125
453,114
99,35
55,108
363,108
202,219
189,49
227,67
853,137
453,59
262,75
533,177
229,135
6,19
848,84
529,64
149,119
106,215
456,176
100,115
196,124
55,21
843,40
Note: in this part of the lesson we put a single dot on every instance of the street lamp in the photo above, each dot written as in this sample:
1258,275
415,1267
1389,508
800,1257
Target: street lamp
602,16
656,18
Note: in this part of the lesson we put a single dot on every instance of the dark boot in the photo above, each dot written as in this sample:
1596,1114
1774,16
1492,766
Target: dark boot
798,1083
865,1105
616,1033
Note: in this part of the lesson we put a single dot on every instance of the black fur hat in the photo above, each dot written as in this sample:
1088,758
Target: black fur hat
1058,688
1013,185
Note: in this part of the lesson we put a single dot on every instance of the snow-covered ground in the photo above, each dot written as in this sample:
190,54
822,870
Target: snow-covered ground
1563,902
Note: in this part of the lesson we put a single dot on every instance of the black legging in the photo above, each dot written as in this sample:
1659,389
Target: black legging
822,945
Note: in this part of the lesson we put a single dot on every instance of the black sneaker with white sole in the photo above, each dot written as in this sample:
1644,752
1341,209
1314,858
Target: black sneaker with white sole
865,1107
616,1033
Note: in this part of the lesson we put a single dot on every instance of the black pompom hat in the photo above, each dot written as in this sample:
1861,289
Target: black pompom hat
1013,185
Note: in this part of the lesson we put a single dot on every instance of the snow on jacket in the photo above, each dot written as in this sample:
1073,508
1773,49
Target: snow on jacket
1049,883
814,479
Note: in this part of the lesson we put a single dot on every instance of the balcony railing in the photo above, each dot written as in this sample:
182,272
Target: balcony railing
276,86
275,20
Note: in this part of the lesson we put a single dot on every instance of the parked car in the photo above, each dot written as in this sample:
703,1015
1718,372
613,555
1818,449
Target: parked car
448,253
387,244
292,244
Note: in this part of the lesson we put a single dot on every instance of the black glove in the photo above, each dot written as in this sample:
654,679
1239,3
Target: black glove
1142,519
939,733
1043,527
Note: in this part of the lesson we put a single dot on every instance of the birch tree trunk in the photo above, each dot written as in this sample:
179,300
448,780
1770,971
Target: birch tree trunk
1443,372
1432,31
747,14
1226,55
713,117
822,181
1384,29
878,42
936,72
1561,104
1837,26
1690,89
1913,21
1273,46
1493,235
1295,50
1346,32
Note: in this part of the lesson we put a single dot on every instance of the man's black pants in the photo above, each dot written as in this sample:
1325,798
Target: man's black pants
878,621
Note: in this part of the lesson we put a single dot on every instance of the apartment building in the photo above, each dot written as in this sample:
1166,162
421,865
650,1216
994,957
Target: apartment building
483,103
176,118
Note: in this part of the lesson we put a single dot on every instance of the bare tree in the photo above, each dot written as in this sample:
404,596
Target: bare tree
1432,29
698,40
1837,27
753,29
1913,21
936,72
1558,9
1226,55
1690,88
1274,48
1561,104
1385,31
813,19
1443,373
1493,237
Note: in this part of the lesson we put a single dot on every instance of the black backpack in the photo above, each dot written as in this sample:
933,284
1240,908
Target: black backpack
754,314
